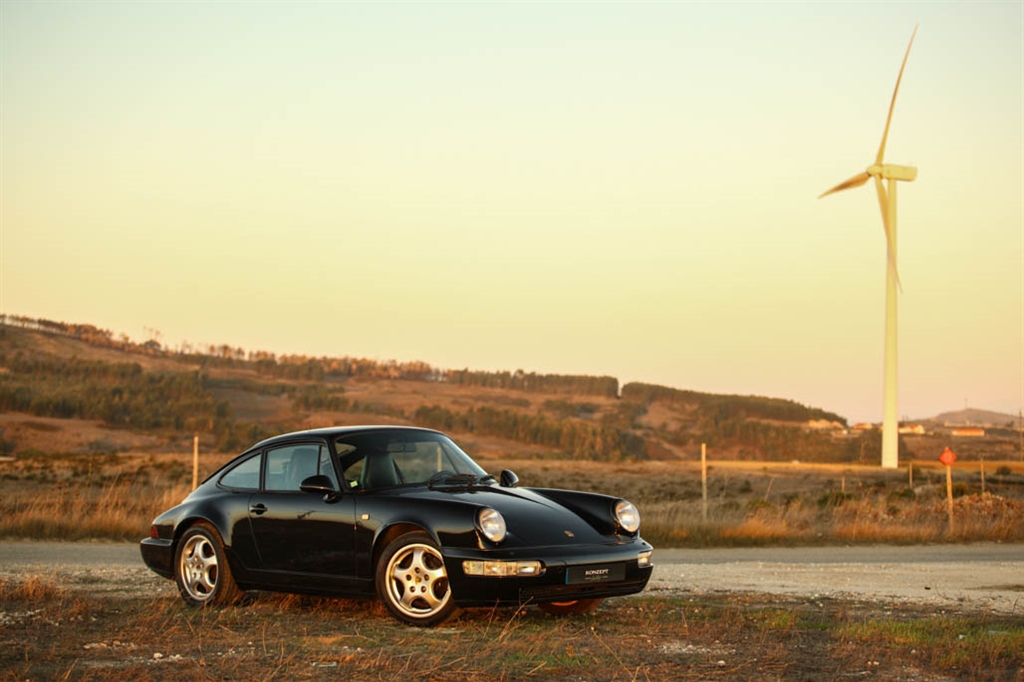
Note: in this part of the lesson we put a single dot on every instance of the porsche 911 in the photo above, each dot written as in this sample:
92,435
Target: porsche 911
396,513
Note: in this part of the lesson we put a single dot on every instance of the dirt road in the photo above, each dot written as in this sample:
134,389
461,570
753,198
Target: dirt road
986,577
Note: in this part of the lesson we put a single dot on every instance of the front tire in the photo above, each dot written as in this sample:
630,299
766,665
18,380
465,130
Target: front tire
201,569
570,608
412,581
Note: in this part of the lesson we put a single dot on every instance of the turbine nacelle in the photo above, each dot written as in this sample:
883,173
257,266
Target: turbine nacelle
893,172
884,171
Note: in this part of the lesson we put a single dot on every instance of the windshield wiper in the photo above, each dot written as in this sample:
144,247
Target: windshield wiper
449,478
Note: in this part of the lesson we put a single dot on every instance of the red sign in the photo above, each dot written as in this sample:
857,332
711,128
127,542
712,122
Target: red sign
947,457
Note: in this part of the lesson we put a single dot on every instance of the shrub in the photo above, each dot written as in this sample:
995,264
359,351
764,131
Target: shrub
834,499
902,494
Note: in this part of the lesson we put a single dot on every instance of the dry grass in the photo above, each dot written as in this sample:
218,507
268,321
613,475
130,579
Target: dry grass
117,511
32,588
44,635
32,595
116,496
76,497
757,503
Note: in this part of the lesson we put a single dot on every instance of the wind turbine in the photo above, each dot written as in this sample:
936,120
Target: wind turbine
887,203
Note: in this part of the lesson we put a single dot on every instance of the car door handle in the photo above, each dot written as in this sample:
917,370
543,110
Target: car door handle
257,508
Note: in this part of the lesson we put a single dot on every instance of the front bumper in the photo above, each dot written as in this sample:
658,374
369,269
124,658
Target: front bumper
567,574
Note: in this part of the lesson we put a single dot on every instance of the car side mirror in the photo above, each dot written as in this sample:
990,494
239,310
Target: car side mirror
508,479
317,484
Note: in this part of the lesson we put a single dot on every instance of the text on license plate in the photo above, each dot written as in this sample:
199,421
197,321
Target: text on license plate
597,573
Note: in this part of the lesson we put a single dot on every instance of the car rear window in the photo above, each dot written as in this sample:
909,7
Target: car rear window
245,475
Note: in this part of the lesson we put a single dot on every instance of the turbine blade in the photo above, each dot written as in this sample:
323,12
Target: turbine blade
890,247
892,104
855,181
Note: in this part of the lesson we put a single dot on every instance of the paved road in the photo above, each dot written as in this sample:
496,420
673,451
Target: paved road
19,555
980,576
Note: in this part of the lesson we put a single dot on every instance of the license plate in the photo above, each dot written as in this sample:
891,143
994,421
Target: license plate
599,573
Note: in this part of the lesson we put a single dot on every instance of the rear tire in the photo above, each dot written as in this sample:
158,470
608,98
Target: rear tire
570,608
201,568
412,581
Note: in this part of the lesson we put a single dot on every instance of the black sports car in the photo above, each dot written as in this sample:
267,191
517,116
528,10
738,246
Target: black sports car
401,513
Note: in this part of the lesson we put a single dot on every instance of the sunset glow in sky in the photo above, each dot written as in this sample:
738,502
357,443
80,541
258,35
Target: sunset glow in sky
624,189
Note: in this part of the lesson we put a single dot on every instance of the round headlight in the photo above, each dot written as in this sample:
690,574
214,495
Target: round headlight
491,523
627,516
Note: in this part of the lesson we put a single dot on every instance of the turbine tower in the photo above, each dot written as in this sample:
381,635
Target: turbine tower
887,203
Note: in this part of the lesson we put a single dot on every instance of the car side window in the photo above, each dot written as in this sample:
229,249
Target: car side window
244,475
288,466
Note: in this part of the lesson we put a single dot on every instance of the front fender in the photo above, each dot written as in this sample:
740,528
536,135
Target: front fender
596,509
450,524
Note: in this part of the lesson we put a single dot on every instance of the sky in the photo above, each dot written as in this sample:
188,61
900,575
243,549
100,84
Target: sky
623,189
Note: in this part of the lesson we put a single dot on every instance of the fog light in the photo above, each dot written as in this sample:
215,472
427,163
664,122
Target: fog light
529,568
502,569
643,560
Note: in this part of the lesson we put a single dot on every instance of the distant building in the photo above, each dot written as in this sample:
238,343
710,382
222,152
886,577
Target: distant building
913,429
863,426
969,432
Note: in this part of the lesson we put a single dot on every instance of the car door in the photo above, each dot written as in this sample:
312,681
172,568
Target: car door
298,533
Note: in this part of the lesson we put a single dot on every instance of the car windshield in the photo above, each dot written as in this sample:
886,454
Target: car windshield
383,459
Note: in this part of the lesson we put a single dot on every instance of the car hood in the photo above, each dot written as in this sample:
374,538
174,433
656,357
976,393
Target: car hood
540,516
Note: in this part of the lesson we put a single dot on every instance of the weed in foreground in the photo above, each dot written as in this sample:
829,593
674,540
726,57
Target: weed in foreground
303,638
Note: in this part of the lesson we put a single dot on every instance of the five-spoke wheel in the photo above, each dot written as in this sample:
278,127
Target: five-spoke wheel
413,583
201,570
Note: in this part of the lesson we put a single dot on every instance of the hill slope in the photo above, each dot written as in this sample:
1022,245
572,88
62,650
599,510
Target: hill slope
232,398
975,417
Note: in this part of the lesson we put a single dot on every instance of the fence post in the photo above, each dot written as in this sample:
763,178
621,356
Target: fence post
949,495
704,480
195,462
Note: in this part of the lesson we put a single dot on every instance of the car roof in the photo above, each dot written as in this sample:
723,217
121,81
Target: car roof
331,432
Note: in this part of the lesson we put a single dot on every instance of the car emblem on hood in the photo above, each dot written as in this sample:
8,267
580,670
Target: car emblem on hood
568,534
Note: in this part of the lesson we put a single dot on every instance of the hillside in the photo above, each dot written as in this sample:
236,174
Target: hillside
975,417
56,372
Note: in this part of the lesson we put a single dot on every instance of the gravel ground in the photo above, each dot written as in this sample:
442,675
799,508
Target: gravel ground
986,577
